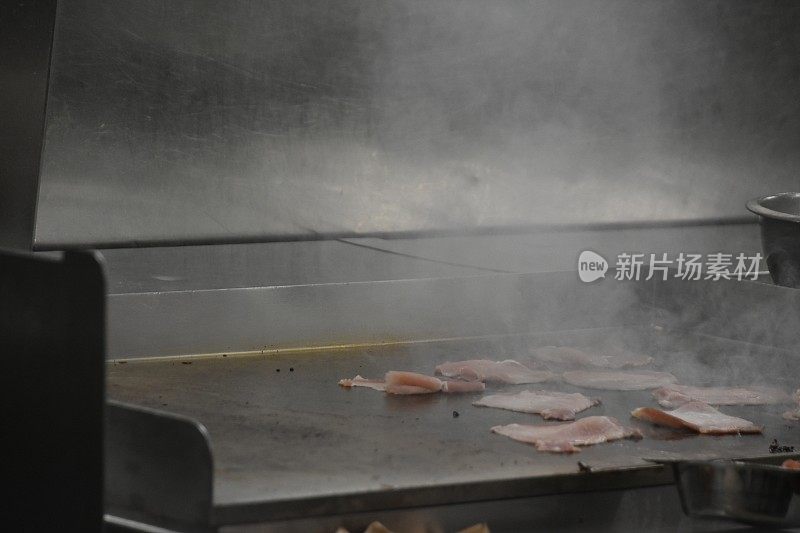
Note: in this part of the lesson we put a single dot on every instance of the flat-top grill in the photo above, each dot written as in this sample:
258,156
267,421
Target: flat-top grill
293,192
288,443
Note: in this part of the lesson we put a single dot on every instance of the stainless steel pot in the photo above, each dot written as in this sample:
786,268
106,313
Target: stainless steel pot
756,494
780,235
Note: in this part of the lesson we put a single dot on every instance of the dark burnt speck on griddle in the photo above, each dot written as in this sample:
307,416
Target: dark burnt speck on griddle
455,414
775,447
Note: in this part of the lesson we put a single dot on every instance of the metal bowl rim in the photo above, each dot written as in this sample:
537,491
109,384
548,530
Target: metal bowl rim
756,206
737,465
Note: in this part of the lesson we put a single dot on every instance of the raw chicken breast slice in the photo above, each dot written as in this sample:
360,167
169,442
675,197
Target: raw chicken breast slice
358,381
549,404
566,356
565,438
412,383
508,371
462,386
611,380
399,382
697,416
675,395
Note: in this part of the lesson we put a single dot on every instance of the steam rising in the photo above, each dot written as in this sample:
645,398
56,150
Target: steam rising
266,119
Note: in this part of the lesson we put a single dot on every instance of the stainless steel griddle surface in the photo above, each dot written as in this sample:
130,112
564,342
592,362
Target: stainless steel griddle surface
288,440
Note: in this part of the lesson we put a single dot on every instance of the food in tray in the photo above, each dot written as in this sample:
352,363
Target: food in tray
404,383
565,438
697,416
791,464
619,380
551,405
508,371
676,395
566,356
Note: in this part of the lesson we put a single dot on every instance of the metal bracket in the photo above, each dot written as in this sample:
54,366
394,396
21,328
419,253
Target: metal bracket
159,469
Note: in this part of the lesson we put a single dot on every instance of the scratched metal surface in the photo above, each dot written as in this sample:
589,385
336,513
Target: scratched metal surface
288,442
208,120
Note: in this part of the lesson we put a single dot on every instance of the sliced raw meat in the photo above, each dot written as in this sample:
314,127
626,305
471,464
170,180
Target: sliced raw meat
358,381
697,416
549,404
507,371
634,380
565,438
791,464
398,382
675,395
566,356
463,386
413,383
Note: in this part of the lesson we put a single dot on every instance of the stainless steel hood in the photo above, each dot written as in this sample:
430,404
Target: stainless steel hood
207,121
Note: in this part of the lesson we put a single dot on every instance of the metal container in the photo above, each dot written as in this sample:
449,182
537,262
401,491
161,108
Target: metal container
756,494
780,235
